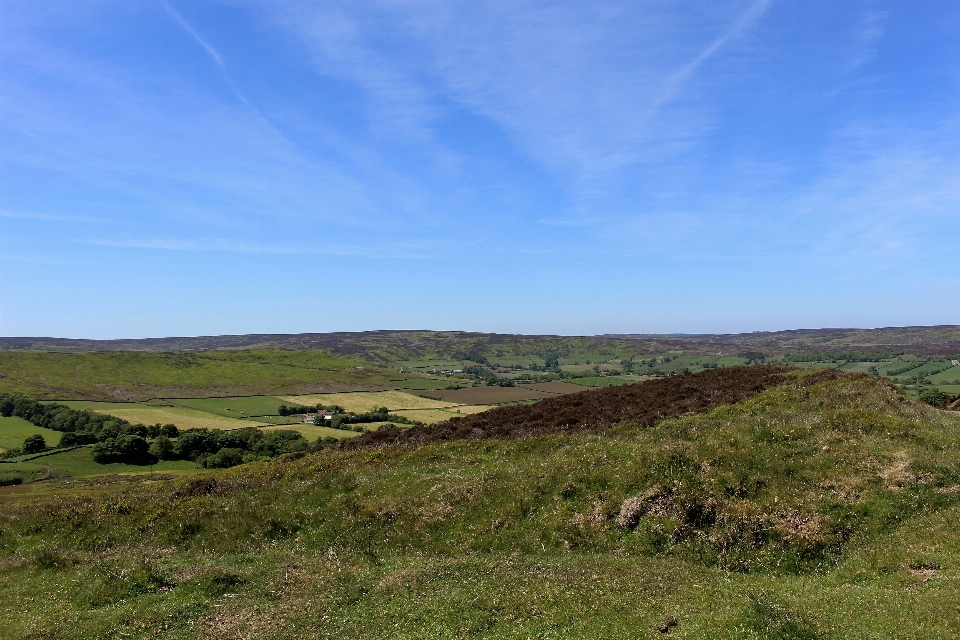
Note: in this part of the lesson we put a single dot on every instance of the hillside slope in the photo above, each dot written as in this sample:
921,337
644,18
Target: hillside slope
389,346
819,508
131,376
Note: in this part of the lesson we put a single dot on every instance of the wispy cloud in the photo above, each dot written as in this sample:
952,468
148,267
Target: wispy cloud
53,217
676,81
193,32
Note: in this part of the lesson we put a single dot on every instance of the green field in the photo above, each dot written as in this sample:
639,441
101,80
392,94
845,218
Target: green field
953,373
759,520
13,431
311,431
144,375
183,417
606,381
233,407
418,384
77,462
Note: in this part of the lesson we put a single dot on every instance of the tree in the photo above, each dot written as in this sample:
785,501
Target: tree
128,449
34,444
935,397
162,448
169,430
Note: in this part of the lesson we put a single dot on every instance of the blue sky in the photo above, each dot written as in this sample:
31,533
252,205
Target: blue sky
185,168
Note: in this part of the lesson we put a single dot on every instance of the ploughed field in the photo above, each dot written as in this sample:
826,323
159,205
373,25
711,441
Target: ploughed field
767,503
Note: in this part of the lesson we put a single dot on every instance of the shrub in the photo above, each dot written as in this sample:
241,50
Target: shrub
935,397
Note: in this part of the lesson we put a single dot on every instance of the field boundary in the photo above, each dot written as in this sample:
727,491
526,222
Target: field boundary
45,454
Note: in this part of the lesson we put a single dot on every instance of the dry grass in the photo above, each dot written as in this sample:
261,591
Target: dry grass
361,402
488,395
181,416
430,416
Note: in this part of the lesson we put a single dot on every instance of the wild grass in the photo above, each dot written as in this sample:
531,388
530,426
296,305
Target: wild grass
824,510
142,375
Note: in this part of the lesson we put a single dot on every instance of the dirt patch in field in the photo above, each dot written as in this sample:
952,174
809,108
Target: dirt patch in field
487,395
591,410
554,387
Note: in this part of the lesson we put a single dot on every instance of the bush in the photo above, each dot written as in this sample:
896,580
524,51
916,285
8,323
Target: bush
10,478
34,444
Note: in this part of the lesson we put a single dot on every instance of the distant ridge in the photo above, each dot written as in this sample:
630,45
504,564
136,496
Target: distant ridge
378,345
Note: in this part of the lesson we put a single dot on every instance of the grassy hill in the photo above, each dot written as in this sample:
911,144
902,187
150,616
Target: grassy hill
385,347
824,507
132,376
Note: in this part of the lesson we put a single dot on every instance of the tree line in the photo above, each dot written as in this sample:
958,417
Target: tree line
116,440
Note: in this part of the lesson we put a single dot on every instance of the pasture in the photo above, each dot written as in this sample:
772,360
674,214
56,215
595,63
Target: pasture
13,431
607,381
431,416
311,431
421,384
362,402
859,367
77,462
183,417
233,407
488,395
953,373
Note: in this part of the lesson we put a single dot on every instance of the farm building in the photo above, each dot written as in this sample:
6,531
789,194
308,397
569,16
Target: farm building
311,418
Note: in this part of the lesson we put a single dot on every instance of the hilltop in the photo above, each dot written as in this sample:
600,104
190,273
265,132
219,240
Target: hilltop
815,506
388,346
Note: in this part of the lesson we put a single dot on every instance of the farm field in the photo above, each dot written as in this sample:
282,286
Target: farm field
953,373
555,386
232,407
311,431
13,431
859,367
424,366
926,369
422,384
431,416
607,381
183,417
363,402
488,395
77,462
272,420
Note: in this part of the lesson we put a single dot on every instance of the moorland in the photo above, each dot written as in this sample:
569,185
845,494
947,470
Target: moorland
791,485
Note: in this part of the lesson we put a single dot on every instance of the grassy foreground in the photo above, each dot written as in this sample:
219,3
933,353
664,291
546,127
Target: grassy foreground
814,510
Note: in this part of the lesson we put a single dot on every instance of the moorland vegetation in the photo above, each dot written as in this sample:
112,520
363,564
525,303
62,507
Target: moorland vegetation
795,504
